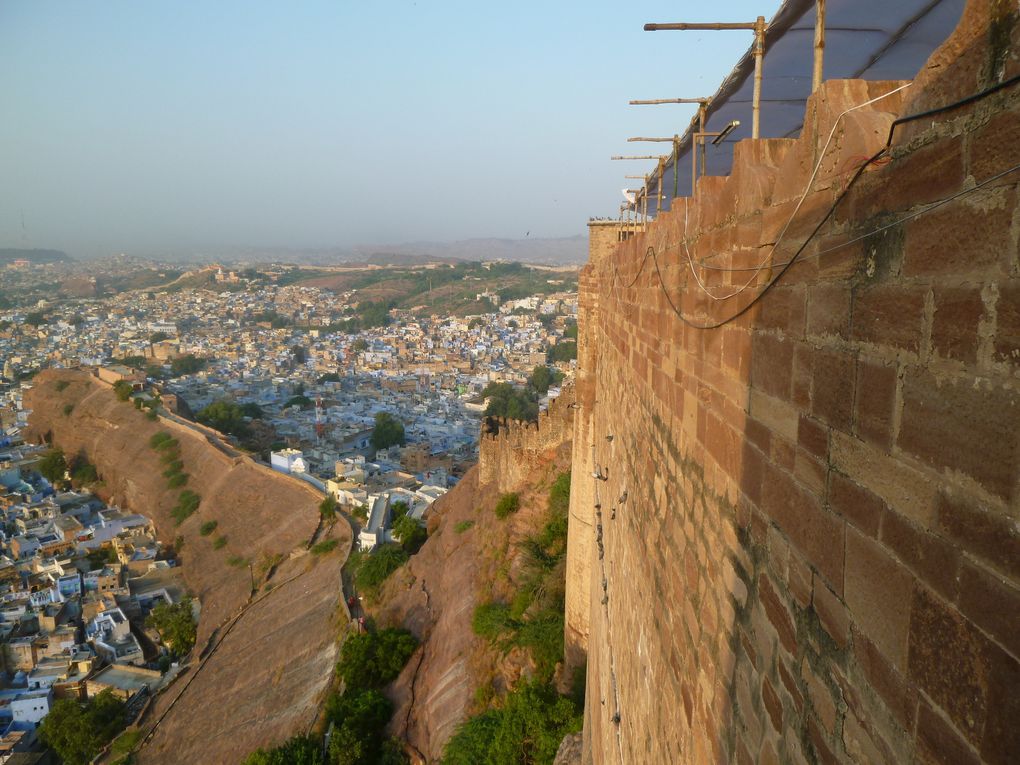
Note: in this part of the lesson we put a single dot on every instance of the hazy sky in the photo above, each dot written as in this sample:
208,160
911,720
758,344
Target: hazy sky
176,127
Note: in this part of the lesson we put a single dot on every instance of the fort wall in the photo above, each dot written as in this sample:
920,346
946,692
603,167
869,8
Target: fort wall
794,536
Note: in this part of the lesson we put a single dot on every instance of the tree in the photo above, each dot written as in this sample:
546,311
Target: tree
374,570
175,624
158,337
122,389
35,318
53,465
225,416
542,378
252,410
360,717
327,509
299,353
512,403
187,365
410,533
388,431
374,659
78,733
361,344
299,750
565,350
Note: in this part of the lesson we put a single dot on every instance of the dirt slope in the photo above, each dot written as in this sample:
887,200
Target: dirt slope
259,685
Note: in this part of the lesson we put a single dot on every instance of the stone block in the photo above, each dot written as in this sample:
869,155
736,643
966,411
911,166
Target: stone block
890,315
832,388
828,311
831,612
878,592
1006,345
954,331
962,238
934,561
858,505
875,401
950,424
813,530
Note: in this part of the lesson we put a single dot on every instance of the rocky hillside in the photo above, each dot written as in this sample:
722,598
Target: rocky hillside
267,656
472,557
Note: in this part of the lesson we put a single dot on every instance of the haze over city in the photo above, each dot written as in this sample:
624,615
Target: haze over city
168,130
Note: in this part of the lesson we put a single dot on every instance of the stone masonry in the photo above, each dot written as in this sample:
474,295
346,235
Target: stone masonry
794,537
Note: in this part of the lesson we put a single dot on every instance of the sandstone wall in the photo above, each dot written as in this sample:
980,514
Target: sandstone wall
266,676
803,543
509,449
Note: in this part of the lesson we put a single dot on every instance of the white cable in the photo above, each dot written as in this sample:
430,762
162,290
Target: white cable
807,190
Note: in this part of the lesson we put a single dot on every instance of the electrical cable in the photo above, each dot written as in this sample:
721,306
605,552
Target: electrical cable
650,251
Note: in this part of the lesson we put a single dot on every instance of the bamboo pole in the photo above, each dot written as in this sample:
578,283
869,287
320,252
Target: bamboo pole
759,61
816,75
658,202
676,161
668,101
706,26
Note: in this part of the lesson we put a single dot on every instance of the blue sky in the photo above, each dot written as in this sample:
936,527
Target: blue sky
177,127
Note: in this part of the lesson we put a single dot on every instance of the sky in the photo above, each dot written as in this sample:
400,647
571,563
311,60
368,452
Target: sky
177,127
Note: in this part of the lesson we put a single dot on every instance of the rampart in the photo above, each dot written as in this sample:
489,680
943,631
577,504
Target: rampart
794,535
509,449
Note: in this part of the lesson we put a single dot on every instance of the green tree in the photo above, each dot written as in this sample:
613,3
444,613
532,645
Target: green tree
327,509
542,378
53,466
512,403
299,353
360,717
122,389
410,533
565,350
225,416
175,624
187,365
388,431
78,733
35,318
359,345
299,750
374,659
158,337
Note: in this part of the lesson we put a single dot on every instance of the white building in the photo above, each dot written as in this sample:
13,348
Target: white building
288,461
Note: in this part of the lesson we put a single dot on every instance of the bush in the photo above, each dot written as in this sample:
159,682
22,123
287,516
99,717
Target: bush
512,403
299,750
152,414
237,561
187,503
68,408
380,564
491,620
219,543
207,528
508,503
463,526
178,480
61,385
158,439
528,728
169,444
325,546
173,468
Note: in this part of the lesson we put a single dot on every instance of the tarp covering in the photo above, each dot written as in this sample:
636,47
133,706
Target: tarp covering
864,39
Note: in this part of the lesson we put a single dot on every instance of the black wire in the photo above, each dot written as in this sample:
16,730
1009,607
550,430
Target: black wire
974,97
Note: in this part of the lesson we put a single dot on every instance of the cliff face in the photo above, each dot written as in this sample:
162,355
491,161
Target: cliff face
268,663
471,557
802,541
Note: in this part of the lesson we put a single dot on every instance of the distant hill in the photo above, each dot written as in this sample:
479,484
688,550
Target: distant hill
561,251
9,255
553,251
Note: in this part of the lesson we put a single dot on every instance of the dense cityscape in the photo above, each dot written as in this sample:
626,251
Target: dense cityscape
377,408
